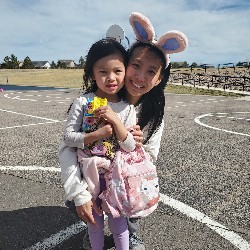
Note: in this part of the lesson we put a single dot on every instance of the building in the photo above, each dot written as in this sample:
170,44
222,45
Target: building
20,64
70,64
41,64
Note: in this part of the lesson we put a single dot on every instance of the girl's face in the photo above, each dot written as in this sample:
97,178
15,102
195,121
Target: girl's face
142,74
109,72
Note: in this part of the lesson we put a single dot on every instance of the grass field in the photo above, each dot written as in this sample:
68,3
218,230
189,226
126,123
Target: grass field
69,78
72,78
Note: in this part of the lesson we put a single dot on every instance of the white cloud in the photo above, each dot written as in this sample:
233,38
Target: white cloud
52,30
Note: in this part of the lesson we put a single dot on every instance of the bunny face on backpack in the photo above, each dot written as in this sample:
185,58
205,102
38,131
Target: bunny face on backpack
150,190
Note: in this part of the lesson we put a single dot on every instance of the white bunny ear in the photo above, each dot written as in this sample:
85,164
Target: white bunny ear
172,42
142,27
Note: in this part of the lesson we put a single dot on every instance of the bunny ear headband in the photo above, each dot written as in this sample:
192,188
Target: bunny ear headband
171,42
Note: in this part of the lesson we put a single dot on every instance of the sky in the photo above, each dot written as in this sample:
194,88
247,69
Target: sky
218,31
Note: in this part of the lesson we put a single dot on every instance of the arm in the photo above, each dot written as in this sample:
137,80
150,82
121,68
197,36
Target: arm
73,137
100,133
124,137
110,116
75,187
152,146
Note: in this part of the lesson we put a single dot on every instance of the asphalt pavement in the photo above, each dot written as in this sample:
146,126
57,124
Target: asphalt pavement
203,167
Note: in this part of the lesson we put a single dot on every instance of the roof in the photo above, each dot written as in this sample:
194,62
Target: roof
39,63
66,61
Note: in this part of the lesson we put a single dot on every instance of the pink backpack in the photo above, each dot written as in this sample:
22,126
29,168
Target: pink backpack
132,185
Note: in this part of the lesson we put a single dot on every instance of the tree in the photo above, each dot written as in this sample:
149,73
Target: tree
27,63
185,65
5,64
13,62
61,65
10,62
53,65
81,62
194,64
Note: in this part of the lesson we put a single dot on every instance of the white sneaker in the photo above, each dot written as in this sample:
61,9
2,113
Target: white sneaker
135,243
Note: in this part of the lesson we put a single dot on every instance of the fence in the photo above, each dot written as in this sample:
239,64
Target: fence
236,81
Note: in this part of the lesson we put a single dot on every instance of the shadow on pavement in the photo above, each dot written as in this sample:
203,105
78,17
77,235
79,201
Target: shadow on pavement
25,227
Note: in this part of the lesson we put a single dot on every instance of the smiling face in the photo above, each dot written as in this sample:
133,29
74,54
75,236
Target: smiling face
142,74
109,72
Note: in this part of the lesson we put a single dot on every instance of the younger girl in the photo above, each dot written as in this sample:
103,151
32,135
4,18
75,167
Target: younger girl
92,130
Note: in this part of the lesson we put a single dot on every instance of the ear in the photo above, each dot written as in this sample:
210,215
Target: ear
172,42
142,27
158,80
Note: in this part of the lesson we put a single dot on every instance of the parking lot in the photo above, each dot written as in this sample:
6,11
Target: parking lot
203,167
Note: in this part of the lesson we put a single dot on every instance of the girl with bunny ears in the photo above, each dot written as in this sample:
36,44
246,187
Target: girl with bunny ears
148,71
146,77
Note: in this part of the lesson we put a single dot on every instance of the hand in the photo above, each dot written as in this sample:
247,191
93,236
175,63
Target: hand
85,212
137,134
107,113
105,131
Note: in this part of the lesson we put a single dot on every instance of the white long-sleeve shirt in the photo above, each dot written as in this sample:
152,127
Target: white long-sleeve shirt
74,185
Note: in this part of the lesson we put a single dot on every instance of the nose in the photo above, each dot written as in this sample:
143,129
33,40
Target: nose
140,76
111,77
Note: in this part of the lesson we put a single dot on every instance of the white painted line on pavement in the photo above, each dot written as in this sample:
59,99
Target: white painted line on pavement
21,99
30,168
229,235
66,233
33,116
59,237
30,124
197,120
27,125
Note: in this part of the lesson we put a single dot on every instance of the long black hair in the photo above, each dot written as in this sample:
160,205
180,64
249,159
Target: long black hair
98,50
152,103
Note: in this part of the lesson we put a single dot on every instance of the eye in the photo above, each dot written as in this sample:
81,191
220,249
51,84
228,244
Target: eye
119,71
102,71
152,72
135,65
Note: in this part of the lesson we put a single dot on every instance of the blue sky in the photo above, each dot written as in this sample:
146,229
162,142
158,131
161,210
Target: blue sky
217,30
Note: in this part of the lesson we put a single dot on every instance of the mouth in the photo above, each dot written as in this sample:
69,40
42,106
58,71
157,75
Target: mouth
136,85
111,86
